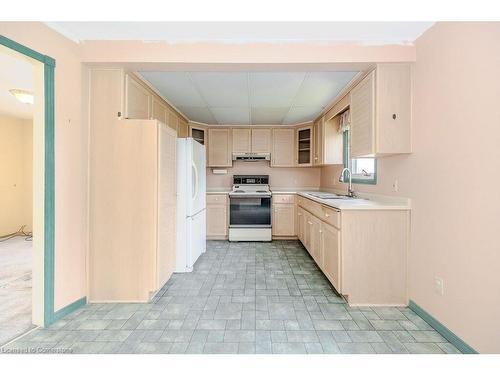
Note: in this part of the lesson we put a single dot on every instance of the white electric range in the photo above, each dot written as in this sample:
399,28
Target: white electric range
250,209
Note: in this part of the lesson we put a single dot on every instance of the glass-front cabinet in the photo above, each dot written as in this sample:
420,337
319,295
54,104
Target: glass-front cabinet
304,146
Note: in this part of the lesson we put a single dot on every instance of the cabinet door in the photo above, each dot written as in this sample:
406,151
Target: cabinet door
315,239
137,99
283,154
216,220
173,121
330,248
219,150
363,117
198,134
301,222
242,140
159,111
261,140
318,142
182,132
283,219
304,146
308,231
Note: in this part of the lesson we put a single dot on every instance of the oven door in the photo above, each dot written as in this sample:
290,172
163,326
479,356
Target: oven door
250,212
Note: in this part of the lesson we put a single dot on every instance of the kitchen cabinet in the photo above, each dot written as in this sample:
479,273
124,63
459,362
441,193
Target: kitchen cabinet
183,130
217,213
283,150
199,134
242,140
159,111
380,111
173,121
283,215
304,146
219,147
328,142
132,189
301,223
362,252
261,140
251,140
137,99
330,251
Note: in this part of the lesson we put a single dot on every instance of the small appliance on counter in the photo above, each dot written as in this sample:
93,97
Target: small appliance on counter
250,209
191,203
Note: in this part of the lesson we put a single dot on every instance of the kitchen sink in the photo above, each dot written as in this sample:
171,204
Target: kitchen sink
328,196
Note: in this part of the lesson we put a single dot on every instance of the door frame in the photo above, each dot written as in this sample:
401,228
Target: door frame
49,315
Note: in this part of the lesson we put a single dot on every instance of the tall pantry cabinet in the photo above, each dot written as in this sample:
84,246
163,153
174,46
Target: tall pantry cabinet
132,193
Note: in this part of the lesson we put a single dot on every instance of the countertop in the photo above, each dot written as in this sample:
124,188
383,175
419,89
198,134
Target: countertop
364,202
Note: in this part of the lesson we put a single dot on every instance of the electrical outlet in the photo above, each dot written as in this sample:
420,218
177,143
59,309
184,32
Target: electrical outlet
395,185
439,286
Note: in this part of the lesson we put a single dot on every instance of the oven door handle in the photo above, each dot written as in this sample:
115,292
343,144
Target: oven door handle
250,196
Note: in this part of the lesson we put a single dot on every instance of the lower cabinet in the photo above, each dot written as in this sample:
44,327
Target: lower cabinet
283,215
330,253
361,252
217,224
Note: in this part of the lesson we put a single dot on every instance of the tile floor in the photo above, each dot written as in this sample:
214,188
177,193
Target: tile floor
242,298
15,288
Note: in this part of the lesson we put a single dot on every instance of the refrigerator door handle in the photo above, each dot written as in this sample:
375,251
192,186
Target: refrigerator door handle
195,180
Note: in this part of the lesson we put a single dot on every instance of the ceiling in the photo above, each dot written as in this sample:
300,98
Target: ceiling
244,98
14,74
241,32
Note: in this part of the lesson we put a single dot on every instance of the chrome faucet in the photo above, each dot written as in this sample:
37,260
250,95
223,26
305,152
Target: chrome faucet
350,192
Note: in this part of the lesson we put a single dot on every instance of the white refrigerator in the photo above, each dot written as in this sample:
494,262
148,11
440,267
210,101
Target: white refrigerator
191,203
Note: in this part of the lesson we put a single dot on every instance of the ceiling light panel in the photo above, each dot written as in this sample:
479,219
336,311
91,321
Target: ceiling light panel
231,116
176,87
268,116
198,114
269,89
297,115
320,88
222,89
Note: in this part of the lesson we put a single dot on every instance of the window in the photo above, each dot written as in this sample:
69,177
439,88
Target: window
364,170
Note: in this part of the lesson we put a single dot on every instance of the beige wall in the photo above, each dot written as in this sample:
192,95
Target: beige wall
451,178
16,174
279,178
71,156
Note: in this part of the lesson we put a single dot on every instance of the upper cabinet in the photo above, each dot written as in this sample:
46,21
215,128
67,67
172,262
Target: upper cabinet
219,147
261,140
304,146
159,110
381,112
137,99
328,145
173,121
242,140
183,130
251,140
199,134
283,149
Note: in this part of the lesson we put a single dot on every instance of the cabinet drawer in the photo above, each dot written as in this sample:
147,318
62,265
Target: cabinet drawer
312,207
284,198
217,199
331,216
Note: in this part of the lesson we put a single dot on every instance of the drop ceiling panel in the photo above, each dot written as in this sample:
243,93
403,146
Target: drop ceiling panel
270,98
198,114
301,114
231,116
222,89
176,86
267,116
319,88
274,89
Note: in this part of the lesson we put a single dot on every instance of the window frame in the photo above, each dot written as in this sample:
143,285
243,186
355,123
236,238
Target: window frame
347,161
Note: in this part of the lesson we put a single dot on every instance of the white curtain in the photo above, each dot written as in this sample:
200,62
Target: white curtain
345,121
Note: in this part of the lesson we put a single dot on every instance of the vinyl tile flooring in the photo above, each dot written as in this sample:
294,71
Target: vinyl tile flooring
246,298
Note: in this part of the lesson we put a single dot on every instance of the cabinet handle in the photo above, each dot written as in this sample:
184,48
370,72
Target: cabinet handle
327,215
310,223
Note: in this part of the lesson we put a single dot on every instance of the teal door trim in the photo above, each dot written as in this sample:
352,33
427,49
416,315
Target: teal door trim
49,164
441,329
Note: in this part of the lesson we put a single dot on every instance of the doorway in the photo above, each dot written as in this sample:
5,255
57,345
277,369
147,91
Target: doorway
27,189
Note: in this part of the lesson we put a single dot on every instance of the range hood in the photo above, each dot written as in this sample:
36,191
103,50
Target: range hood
251,156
